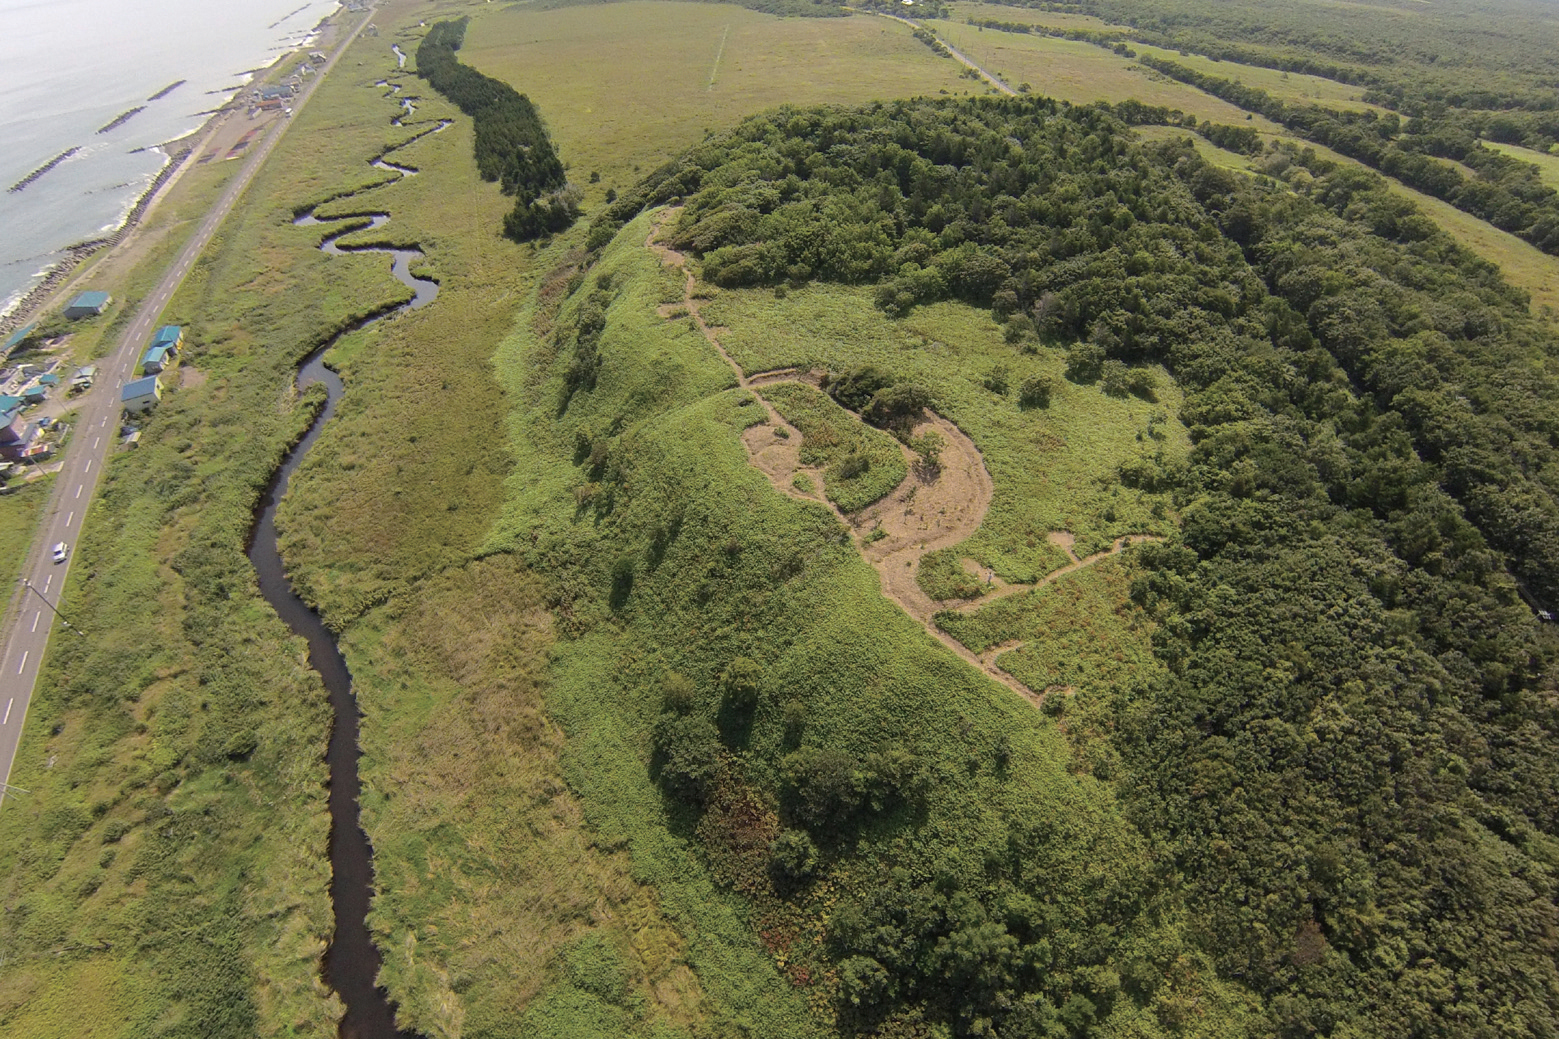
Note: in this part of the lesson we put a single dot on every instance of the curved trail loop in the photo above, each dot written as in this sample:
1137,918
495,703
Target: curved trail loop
351,963
925,513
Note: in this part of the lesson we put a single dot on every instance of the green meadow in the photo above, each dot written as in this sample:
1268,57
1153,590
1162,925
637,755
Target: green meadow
1055,467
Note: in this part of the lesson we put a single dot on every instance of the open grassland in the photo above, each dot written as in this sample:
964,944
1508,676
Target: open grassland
1054,468
1080,631
624,87
19,513
486,876
1293,87
1230,160
666,553
963,12
1072,70
1547,165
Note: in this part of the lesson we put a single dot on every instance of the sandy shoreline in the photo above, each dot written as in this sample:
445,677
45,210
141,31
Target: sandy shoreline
179,151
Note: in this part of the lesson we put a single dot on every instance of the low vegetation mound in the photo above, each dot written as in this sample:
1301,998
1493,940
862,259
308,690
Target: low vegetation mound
512,146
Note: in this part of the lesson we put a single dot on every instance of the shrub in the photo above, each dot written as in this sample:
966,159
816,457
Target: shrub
1143,383
1116,378
596,966
1035,392
824,785
855,389
740,683
792,859
1083,361
897,407
687,752
677,693
995,380
854,464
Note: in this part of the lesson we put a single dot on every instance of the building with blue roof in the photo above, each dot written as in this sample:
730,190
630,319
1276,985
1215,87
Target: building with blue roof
16,339
167,334
88,304
158,358
141,395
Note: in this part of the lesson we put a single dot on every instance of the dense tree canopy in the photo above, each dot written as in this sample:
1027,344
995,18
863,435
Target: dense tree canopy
512,145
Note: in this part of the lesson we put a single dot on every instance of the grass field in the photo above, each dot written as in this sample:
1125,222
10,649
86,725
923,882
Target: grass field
1547,165
1082,72
1292,87
626,86
1054,468
963,12
19,513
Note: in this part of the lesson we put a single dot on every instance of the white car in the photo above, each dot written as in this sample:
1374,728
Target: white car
61,550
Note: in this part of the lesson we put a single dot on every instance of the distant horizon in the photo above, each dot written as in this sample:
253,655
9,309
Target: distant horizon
118,59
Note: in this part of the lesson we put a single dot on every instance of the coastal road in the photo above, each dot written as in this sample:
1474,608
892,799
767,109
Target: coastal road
31,618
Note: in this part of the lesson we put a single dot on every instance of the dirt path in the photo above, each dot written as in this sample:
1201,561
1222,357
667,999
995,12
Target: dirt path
1003,589
927,512
957,54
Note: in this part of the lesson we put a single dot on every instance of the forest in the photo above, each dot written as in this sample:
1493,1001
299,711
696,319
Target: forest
1467,54
1346,765
512,145
1505,192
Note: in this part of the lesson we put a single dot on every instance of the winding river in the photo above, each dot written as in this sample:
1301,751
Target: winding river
351,962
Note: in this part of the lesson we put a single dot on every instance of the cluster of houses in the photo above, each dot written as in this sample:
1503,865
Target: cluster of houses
141,395
266,98
22,437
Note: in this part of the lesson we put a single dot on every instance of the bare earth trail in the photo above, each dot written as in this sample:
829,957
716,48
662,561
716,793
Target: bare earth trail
957,55
927,512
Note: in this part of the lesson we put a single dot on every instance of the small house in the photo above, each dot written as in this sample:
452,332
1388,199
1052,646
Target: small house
82,380
49,380
23,444
88,304
141,395
158,358
12,425
169,335
8,404
16,338
35,394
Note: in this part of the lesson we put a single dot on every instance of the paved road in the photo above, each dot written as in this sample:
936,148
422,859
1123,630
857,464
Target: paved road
31,615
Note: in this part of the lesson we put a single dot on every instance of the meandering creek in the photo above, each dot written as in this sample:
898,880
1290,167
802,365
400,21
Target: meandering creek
351,962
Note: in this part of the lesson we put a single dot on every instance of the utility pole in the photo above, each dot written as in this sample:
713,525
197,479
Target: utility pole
28,585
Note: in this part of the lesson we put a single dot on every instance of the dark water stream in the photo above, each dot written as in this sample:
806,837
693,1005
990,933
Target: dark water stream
351,962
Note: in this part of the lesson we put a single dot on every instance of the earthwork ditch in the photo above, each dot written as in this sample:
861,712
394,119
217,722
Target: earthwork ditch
928,511
351,964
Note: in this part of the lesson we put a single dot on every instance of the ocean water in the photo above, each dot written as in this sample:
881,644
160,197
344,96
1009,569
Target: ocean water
68,67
